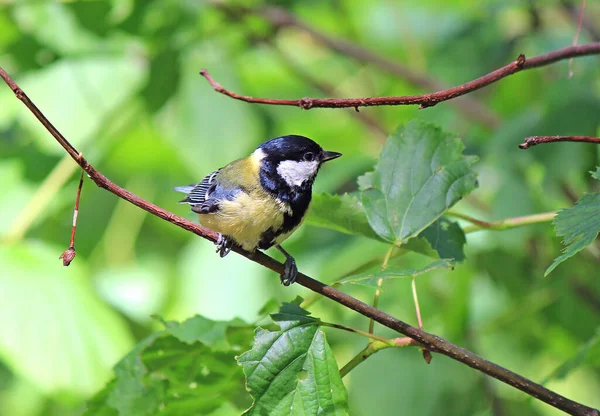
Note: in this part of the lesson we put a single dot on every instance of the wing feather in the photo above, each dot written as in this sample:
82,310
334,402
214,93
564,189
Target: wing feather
199,193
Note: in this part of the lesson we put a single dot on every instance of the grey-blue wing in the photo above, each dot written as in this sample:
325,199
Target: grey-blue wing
200,192
204,197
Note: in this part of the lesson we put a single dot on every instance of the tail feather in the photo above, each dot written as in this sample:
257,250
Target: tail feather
186,190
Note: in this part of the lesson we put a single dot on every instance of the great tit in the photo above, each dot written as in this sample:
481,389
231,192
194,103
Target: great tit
259,201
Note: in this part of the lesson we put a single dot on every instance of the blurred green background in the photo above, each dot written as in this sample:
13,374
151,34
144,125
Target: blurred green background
119,78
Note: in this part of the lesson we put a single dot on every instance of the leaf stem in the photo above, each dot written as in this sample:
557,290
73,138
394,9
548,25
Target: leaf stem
388,341
372,348
505,224
426,353
384,265
311,300
416,300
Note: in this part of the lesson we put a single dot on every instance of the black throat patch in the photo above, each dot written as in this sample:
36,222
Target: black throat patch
296,197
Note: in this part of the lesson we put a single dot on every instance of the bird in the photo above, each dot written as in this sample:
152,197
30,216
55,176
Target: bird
257,202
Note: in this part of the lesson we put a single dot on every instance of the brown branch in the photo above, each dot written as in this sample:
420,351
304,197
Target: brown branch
429,341
426,100
279,17
364,118
535,140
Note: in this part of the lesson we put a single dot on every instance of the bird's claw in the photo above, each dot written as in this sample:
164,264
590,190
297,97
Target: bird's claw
223,245
290,272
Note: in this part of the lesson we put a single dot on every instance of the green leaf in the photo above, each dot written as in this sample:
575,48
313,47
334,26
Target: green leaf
343,213
596,174
292,371
370,278
177,372
365,181
447,238
578,225
421,173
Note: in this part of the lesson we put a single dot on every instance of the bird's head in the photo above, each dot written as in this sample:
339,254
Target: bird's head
295,160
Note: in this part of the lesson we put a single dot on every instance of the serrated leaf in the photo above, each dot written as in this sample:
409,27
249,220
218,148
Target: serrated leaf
292,371
447,238
365,181
596,174
292,314
370,278
578,225
420,174
343,213
176,374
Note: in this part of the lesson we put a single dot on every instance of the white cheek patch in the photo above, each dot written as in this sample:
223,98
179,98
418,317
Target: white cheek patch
295,173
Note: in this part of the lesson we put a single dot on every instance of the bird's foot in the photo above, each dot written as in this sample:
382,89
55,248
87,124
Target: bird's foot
224,245
290,272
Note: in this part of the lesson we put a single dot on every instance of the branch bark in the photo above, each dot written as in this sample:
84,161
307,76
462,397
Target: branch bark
279,17
429,341
426,100
535,140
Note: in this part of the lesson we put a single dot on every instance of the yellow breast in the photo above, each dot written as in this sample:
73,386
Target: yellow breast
252,212
245,219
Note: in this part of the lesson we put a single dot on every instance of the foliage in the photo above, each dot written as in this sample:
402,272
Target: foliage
293,371
371,278
343,213
120,80
419,175
579,226
188,368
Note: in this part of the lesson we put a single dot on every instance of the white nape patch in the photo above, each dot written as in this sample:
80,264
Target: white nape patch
295,173
258,154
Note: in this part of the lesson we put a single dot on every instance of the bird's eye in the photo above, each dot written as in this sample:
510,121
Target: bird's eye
309,156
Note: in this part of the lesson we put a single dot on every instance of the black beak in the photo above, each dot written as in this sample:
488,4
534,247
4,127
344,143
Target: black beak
329,156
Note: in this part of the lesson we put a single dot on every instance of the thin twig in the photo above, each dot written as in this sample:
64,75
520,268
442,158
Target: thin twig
429,341
416,300
69,254
426,100
390,341
535,140
371,348
586,23
279,17
327,89
576,37
384,265
504,224
426,353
